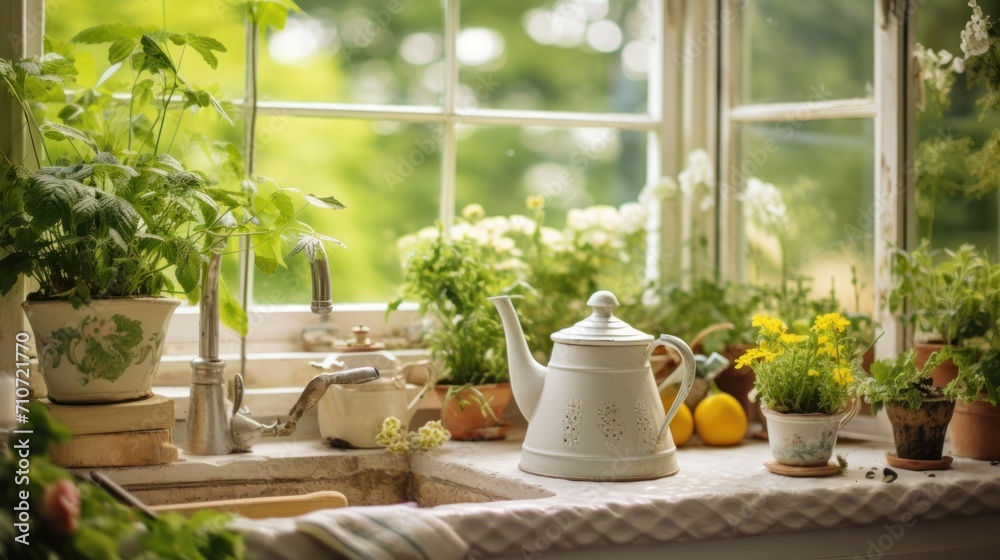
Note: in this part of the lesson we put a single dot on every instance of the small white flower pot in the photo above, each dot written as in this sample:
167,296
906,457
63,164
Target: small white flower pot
105,352
805,440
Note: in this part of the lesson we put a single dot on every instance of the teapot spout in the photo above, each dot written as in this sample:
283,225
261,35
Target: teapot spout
527,376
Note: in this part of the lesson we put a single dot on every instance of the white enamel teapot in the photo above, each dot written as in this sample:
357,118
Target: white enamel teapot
594,413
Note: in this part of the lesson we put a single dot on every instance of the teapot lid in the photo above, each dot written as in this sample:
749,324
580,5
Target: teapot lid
602,328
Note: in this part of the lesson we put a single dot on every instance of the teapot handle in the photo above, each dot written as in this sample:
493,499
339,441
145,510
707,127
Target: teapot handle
688,363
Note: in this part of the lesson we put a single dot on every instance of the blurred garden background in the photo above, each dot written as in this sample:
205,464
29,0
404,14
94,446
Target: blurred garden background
554,55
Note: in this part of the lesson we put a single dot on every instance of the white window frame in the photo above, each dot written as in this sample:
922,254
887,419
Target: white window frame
695,39
283,325
893,36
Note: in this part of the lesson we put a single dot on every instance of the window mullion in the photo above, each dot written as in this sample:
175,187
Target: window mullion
894,138
730,244
449,148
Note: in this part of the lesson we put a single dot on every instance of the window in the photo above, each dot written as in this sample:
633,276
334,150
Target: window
798,144
409,110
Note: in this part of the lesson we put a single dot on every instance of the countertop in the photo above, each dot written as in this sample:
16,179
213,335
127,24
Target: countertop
722,502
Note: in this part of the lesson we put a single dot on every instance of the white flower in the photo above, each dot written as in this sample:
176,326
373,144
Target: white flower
604,217
958,65
975,36
553,239
706,203
633,217
522,224
577,220
698,170
762,203
473,212
654,193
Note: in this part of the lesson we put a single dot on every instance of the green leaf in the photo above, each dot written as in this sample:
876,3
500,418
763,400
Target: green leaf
272,13
324,202
196,98
108,32
220,110
119,51
203,45
155,57
283,203
230,312
11,267
117,239
62,132
188,263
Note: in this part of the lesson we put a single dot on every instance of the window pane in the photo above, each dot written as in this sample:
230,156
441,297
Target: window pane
820,221
564,55
499,167
218,20
356,51
805,51
388,175
953,206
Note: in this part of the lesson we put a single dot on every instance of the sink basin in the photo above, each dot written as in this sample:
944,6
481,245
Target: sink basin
364,477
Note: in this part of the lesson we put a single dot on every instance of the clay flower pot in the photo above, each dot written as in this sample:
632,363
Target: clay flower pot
944,373
468,422
805,440
739,382
919,434
975,431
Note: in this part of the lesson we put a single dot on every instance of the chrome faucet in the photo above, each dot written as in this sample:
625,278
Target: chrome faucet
215,426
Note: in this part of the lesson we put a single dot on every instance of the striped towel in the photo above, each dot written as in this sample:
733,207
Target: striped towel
383,533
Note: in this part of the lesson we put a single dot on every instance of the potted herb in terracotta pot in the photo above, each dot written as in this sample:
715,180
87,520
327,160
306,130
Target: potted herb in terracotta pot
451,280
975,428
919,412
806,385
944,299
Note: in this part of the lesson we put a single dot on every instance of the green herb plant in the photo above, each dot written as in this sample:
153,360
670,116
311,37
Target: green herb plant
979,361
944,298
103,528
899,380
451,280
103,209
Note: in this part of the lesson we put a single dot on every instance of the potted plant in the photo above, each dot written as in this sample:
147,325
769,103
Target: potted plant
451,279
918,411
945,302
806,384
107,221
975,428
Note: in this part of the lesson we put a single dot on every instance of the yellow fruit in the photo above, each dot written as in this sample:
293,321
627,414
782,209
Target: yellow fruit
720,420
682,425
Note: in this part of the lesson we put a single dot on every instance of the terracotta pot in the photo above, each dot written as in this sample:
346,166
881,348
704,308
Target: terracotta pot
919,434
468,422
104,352
944,373
975,431
739,382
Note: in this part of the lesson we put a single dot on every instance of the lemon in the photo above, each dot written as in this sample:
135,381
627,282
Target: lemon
682,425
720,420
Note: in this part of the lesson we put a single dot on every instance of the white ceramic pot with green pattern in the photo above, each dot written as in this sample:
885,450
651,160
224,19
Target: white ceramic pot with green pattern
105,352
806,440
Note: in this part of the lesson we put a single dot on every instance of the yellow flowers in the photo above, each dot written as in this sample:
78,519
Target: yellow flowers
842,375
769,325
754,354
804,373
535,202
831,322
788,338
